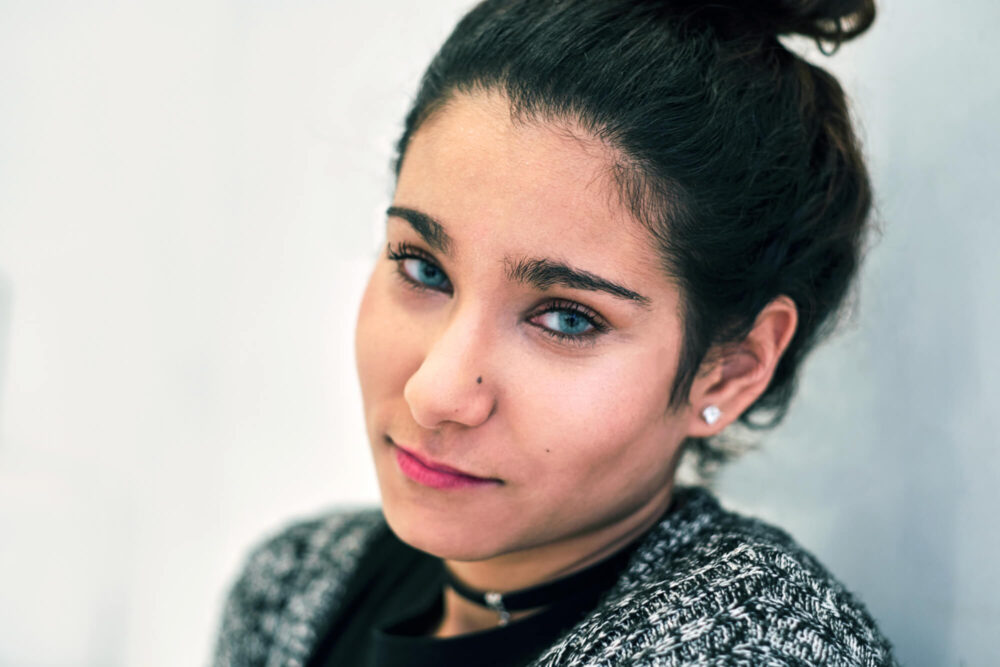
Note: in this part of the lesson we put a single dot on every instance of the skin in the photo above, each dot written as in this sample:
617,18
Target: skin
577,434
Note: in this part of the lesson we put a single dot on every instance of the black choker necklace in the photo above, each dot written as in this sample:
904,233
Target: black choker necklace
594,578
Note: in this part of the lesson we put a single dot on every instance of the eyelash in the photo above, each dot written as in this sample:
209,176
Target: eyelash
403,251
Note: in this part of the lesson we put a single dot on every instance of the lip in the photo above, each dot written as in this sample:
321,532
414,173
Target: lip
434,465
436,475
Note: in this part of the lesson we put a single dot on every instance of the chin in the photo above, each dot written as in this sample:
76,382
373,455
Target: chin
449,541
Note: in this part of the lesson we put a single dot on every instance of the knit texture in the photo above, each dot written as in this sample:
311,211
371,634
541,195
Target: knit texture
705,587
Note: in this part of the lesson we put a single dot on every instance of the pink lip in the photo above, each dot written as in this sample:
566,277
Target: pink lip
435,475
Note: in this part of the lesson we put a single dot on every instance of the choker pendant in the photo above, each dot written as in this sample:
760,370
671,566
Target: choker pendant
494,601
573,587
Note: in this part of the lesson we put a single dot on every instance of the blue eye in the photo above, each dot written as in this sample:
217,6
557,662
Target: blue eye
570,322
567,321
416,269
424,272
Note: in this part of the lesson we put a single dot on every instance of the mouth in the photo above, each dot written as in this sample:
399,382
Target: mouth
436,475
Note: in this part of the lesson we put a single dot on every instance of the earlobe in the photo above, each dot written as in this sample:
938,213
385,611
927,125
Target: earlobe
740,372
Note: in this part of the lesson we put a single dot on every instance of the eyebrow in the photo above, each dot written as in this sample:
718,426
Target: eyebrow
429,229
540,273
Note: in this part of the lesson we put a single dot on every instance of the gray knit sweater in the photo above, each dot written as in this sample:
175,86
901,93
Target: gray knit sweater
705,587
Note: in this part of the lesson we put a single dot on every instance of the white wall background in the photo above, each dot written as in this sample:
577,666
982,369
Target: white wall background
190,196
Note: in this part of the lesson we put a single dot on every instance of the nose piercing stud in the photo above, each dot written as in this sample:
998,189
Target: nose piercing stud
711,414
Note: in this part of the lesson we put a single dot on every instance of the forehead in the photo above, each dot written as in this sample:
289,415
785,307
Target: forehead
528,188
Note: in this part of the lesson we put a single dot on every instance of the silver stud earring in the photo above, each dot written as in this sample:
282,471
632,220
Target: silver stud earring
711,414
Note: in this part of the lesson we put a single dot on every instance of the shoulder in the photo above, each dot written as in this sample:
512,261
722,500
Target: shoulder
289,581
710,585
774,598
331,537
727,584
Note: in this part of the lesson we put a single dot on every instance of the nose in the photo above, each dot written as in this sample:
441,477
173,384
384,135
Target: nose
453,384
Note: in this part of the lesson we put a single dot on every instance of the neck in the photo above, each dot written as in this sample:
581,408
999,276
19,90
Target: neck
538,565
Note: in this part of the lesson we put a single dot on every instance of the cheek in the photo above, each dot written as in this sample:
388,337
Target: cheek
604,423
381,352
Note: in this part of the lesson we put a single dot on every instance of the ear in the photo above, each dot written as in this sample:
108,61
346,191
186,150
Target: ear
737,374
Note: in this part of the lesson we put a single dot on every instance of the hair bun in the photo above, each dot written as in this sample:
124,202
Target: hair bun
829,22
826,21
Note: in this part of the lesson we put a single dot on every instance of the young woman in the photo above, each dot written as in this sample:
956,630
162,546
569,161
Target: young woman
617,228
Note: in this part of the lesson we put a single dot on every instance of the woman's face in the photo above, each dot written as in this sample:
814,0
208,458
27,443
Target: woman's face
517,328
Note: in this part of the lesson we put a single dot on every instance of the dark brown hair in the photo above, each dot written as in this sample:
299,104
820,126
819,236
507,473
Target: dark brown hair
738,155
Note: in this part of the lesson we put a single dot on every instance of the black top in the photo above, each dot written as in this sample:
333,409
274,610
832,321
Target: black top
396,598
